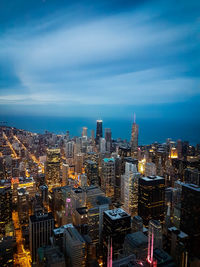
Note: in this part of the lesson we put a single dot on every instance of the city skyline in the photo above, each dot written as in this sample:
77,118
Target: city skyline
83,183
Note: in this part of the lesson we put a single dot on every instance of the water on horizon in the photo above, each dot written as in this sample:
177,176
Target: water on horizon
150,130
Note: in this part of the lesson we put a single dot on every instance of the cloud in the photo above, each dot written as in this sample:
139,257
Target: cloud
135,57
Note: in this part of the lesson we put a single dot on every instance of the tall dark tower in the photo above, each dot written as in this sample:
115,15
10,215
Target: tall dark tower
99,131
134,139
151,198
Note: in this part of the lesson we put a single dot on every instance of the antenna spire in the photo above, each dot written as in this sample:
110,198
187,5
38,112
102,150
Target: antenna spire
134,117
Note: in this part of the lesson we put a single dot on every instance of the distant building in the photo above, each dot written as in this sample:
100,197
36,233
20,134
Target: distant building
134,139
102,145
69,149
108,138
84,132
99,131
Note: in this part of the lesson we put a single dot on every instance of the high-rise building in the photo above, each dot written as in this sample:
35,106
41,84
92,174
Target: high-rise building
102,145
108,137
151,198
91,170
136,243
108,177
190,216
52,168
79,162
41,226
137,224
99,131
69,149
116,225
5,208
130,189
150,169
134,138
84,131
74,246
51,256
155,232
65,169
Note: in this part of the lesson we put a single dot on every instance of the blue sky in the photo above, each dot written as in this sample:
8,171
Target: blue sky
100,58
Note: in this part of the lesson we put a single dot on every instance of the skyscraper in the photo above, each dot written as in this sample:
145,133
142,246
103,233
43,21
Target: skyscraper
102,145
116,225
108,177
108,139
130,188
155,232
99,131
190,215
52,170
84,131
91,170
74,246
40,229
151,198
134,139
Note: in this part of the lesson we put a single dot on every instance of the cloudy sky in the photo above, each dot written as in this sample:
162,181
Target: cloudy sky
100,58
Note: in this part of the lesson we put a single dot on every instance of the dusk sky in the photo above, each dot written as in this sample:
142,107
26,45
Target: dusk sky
100,58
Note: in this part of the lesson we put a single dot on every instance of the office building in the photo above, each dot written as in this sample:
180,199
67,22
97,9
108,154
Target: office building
51,257
116,225
155,233
134,139
130,189
150,169
65,170
190,216
7,251
108,177
99,131
52,168
74,245
102,145
108,138
137,224
136,243
84,132
41,226
177,246
79,159
192,176
91,170
151,198
69,149
5,208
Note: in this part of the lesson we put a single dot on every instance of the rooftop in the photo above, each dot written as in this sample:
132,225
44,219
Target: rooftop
192,186
116,214
152,178
137,239
109,160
